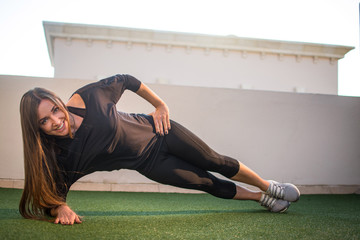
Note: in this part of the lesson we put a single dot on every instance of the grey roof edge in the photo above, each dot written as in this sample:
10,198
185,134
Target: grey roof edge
88,32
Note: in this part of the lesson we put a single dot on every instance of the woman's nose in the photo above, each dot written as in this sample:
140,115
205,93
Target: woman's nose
55,121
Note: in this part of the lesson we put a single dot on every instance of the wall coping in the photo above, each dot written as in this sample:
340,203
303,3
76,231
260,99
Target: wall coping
130,36
160,188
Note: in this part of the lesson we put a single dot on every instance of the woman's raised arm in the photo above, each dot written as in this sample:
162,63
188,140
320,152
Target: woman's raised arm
161,114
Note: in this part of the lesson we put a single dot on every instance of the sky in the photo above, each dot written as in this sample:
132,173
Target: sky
23,49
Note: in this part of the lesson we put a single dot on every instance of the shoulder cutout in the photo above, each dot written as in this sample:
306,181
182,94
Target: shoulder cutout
76,101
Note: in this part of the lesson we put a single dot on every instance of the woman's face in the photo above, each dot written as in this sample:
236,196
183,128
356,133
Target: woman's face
51,119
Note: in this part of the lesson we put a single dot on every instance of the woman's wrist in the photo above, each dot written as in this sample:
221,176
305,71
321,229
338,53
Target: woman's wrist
160,104
54,211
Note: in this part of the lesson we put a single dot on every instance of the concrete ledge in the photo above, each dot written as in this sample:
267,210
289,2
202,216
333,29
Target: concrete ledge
154,187
329,189
12,183
129,187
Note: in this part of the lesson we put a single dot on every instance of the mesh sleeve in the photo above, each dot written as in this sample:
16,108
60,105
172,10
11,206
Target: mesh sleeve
115,86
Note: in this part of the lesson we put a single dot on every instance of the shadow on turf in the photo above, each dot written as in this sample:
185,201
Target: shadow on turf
161,213
8,213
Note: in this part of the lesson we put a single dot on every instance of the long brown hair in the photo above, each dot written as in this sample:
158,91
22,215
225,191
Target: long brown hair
41,169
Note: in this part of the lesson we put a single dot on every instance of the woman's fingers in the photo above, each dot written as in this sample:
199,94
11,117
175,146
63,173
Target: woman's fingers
62,221
159,126
68,219
161,120
166,125
162,125
77,219
65,216
168,122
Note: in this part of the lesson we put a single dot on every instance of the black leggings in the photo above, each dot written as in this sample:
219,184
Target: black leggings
184,161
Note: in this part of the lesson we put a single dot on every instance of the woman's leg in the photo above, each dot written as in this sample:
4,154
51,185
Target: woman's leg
187,146
248,176
171,170
183,145
246,194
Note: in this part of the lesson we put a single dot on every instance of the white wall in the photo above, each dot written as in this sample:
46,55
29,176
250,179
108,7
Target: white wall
77,58
307,139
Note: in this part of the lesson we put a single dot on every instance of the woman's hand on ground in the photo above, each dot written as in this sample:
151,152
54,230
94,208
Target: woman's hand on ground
66,216
161,118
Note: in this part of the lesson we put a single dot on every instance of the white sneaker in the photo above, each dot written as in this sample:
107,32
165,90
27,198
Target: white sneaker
286,191
273,204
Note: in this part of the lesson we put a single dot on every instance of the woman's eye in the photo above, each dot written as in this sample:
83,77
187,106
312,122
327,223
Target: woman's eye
42,122
56,109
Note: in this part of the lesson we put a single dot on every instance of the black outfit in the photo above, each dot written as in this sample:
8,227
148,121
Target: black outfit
110,140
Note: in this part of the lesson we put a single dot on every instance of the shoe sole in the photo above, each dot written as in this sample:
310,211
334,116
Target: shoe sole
282,211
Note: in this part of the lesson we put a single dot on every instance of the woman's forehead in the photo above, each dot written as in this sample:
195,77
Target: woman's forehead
45,108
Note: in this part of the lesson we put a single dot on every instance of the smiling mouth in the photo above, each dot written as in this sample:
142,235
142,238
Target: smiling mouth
60,127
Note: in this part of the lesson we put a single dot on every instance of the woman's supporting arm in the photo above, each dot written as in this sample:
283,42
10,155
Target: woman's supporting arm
64,215
161,114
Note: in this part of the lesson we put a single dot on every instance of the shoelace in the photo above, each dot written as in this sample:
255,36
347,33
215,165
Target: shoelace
276,190
268,201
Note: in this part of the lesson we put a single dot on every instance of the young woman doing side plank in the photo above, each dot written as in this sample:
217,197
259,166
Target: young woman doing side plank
64,142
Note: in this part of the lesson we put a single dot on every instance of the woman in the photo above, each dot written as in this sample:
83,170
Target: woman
62,143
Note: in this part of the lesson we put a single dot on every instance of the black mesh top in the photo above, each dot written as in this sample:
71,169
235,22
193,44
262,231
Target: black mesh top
107,139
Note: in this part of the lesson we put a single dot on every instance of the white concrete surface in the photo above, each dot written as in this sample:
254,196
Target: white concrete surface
308,139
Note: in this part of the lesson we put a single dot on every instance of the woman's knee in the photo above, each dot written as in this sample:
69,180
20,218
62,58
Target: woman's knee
230,167
221,188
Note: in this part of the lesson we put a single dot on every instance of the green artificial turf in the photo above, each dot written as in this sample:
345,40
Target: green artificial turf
119,215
